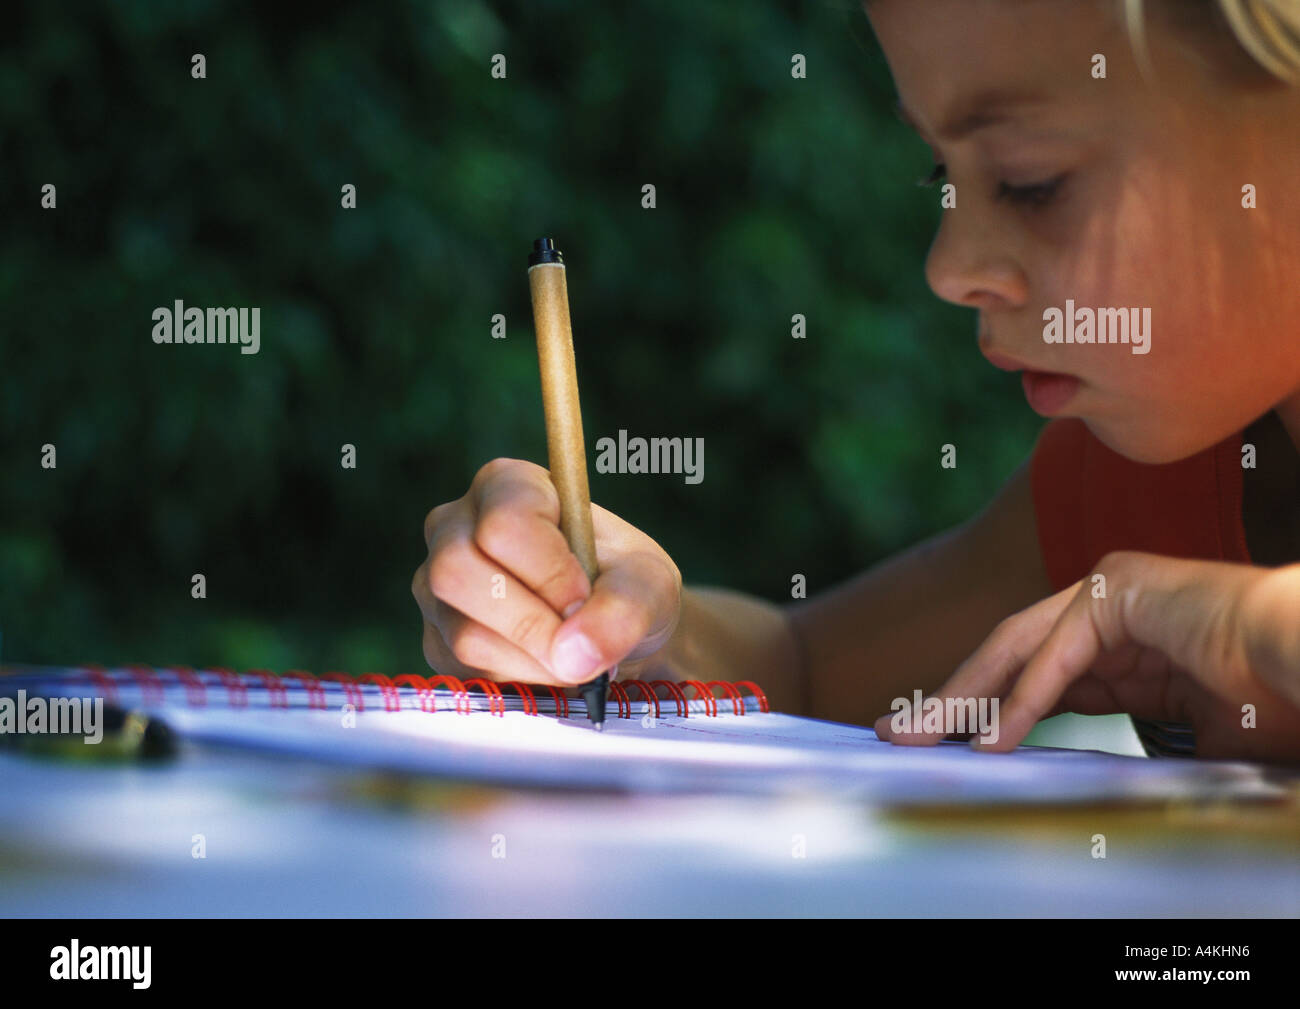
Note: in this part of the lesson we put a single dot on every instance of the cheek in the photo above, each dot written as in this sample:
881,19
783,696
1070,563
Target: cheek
1215,362
1154,241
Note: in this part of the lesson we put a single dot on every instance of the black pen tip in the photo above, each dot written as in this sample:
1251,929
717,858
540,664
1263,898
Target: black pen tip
594,697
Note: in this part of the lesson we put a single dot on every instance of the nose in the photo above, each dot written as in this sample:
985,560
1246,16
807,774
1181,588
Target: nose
968,265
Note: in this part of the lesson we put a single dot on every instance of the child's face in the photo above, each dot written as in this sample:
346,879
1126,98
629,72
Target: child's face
1113,194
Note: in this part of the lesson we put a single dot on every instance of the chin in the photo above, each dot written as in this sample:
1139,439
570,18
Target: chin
1146,445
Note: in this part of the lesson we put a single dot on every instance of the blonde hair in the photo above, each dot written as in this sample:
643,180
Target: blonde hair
1267,30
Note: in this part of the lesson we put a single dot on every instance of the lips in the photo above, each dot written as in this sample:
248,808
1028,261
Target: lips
1048,392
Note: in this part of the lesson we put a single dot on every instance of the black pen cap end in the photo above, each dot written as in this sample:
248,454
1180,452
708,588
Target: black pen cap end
544,251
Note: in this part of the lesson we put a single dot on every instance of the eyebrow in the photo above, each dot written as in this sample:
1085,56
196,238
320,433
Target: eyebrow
981,110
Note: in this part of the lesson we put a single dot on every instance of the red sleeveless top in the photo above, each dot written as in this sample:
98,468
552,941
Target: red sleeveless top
1090,500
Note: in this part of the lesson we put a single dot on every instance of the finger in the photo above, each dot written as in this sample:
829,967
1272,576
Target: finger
1067,653
630,606
464,648
988,671
459,574
517,525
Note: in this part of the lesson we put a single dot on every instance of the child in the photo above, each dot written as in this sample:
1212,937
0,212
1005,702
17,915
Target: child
1128,231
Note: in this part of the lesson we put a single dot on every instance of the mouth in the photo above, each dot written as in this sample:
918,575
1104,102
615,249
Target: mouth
1048,392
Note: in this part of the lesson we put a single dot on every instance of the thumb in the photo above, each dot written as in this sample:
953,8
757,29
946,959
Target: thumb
626,602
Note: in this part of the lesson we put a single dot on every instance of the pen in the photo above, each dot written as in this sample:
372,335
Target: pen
565,448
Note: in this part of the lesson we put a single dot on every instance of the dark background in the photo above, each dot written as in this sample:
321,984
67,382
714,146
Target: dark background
776,196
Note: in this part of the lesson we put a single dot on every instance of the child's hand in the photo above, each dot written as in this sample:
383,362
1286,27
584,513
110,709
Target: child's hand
1175,640
499,576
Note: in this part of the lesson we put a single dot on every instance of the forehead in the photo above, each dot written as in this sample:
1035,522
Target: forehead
955,61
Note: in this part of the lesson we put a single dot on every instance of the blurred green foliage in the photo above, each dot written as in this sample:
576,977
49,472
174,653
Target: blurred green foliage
775,196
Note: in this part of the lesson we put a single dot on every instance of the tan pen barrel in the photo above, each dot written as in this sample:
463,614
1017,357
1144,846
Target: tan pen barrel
565,447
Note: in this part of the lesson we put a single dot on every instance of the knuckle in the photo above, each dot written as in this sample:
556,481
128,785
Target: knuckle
527,630
565,570
1114,561
470,646
447,568
1005,628
519,470
497,531
495,469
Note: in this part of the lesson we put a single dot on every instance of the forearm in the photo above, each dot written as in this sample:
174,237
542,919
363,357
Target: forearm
842,655
907,623
901,626
846,653
727,635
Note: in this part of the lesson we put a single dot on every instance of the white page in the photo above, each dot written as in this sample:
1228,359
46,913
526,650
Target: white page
755,752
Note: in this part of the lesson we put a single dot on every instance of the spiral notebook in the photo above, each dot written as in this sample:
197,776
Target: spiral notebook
693,736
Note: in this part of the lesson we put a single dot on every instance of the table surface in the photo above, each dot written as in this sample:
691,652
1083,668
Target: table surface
288,838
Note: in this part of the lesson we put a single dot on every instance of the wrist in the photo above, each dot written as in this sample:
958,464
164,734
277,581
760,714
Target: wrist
1270,615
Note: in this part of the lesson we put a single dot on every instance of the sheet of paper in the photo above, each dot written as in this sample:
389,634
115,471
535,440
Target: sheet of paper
754,753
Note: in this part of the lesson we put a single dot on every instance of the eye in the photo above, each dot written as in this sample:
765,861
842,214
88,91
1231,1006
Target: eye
1037,195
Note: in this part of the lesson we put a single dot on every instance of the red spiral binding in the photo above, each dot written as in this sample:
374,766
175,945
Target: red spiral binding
710,705
392,699
351,689
153,686
196,694
276,694
427,700
98,676
149,682
561,700
522,690
676,692
236,691
737,704
757,692
620,695
315,692
461,693
496,704
646,693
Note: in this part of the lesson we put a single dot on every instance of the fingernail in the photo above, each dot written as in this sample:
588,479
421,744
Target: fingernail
572,608
575,658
